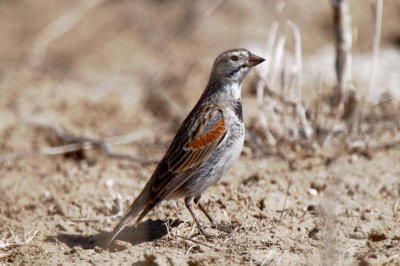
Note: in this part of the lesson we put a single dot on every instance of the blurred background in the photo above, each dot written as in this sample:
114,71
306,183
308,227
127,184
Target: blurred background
130,52
73,70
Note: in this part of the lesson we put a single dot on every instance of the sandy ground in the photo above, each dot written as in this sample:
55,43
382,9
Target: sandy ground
128,66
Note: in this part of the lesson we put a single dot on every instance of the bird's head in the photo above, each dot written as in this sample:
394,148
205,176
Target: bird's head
234,64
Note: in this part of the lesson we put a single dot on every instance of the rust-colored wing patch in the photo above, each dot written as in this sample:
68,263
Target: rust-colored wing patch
208,137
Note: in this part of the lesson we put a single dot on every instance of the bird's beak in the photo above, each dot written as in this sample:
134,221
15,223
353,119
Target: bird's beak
254,60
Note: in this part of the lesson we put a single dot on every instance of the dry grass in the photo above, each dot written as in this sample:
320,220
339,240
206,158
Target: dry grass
12,241
284,120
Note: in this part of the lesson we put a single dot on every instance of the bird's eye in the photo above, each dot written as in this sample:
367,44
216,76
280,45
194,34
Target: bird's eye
234,58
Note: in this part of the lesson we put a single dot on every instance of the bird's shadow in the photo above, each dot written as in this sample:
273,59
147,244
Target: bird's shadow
147,231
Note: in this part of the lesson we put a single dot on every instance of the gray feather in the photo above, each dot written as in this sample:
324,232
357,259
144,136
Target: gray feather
136,207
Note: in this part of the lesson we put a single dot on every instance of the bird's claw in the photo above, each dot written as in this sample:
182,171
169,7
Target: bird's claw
204,233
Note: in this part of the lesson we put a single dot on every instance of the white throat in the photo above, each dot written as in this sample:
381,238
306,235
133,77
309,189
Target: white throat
236,90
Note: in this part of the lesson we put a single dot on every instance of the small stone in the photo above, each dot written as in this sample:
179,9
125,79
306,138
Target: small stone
312,192
314,233
149,258
360,232
109,182
318,186
73,250
313,209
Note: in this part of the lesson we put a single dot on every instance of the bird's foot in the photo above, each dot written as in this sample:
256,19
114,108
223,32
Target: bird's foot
204,233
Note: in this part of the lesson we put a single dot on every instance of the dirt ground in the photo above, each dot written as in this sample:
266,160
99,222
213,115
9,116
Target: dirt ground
138,67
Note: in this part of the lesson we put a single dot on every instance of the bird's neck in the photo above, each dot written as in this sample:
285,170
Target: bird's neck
222,89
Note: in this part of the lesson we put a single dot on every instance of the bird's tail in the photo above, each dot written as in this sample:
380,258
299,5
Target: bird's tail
136,207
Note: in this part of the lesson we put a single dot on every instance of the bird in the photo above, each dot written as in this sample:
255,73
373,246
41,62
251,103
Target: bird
206,145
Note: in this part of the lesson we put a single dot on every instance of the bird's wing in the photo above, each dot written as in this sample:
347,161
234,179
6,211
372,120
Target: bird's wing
202,137
196,141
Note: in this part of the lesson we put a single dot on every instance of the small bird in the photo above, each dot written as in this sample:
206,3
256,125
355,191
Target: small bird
206,145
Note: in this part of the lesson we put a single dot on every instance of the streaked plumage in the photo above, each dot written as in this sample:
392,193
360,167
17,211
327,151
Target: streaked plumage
205,146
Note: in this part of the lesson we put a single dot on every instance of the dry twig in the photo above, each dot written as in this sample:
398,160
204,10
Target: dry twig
376,8
18,241
199,10
343,44
199,242
263,80
297,84
285,211
59,27
375,145
396,203
77,143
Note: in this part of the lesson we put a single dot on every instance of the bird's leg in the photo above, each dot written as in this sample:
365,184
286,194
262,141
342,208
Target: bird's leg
188,203
221,227
201,207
